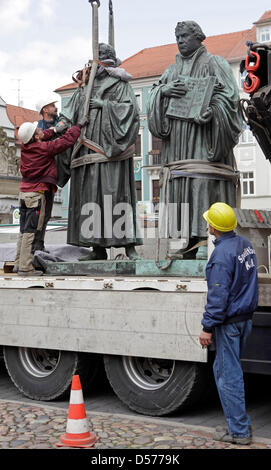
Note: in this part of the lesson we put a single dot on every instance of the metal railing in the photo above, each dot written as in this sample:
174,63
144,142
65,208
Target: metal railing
154,158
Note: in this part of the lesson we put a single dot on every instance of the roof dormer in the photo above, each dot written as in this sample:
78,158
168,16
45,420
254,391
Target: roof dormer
263,27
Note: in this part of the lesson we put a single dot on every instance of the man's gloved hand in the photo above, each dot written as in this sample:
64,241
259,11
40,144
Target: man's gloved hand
83,122
60,128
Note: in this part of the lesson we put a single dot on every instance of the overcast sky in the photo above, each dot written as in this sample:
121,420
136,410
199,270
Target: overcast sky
42,43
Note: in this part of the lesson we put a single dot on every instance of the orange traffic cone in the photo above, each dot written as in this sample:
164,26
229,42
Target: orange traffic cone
77,432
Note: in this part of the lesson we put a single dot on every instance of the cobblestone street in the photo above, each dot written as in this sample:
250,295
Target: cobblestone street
25,426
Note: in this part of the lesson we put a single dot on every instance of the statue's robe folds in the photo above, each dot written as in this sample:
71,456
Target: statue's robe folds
211,142
107,186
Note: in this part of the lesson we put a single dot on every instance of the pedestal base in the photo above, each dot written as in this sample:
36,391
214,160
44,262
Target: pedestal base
187,268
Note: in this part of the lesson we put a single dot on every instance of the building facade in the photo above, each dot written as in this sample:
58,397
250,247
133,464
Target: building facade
11,118
146,67
9,167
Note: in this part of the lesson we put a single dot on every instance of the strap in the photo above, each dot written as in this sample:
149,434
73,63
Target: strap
205,169
89,144
177,256
92,146
99,157
200,168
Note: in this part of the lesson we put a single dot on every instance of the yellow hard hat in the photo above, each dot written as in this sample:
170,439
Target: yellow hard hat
221,217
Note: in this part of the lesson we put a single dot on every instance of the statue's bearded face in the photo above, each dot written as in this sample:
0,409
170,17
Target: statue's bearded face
187,41
103,53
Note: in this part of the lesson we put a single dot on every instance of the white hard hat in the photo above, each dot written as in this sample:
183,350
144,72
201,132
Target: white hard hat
26,131
44,102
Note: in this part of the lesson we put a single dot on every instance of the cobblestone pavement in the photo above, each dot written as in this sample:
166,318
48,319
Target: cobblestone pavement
24,426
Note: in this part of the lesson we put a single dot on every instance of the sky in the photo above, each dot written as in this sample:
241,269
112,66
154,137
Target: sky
43,43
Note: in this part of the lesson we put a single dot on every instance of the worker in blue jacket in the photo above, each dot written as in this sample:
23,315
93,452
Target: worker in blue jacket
46,107
231,274
48,110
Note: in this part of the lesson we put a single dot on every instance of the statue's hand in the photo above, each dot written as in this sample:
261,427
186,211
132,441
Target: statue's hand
204,118
95,103
175,89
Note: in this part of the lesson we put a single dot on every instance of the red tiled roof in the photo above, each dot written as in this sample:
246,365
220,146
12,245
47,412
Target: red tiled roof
70,86
152,61
265,18
18,115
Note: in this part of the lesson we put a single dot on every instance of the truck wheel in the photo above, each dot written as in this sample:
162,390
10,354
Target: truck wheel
46,374
156,387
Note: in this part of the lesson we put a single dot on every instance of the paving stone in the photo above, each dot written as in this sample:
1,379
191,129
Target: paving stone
5,438
142,440
33,427
16,443
3,430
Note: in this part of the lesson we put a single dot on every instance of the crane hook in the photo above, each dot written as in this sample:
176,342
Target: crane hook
95,1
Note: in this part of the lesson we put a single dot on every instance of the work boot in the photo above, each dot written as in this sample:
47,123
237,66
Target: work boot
223,435
132,253
98,253
33,272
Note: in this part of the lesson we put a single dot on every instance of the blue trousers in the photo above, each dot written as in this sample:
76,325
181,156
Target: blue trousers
228,373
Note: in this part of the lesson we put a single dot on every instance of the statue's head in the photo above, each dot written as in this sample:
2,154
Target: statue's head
107,52
189,37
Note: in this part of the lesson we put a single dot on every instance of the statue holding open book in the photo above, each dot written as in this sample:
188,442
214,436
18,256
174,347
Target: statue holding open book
194,109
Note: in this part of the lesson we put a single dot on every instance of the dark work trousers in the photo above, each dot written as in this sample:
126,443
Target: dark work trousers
40,234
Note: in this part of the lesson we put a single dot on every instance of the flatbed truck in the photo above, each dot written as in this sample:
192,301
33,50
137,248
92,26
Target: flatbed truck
141,330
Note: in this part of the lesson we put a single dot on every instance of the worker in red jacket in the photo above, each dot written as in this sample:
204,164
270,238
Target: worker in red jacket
39,174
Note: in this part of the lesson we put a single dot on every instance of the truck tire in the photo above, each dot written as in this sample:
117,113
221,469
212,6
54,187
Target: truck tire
43,374
156,387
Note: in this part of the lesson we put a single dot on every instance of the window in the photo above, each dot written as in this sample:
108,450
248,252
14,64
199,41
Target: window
248,183
156,143
265,34
139,99
155,153
138,146
246,136
155,194
139,190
